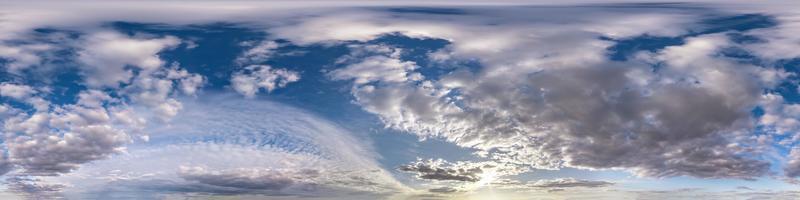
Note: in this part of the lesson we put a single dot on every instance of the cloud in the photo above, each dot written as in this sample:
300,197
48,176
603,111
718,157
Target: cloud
546,103
259,52
188,83
23,94
568,183
157,89
223,144
58,141
373,63
106,55
21,57
16,91
254,77
792,168
247,178
34,188
743,188
5,164
444,171
444,190
546,95
52,141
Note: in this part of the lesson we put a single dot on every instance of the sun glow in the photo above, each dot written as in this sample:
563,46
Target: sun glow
487,178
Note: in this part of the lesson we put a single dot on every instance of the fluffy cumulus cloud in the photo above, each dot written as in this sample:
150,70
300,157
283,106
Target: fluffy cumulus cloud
124,85
16,91
58,141
375,63
107,55
253,78
546,103
157,89
22,56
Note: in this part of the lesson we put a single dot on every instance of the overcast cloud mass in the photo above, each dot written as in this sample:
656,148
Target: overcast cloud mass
399,100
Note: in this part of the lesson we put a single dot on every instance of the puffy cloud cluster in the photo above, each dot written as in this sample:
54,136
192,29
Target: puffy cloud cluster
375,63
157,89
551,98
16,91
780,118
58,141
255,75
20,57
24,94
107,57
253,78
118,70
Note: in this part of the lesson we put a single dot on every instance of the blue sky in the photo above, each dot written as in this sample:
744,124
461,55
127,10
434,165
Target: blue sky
399,100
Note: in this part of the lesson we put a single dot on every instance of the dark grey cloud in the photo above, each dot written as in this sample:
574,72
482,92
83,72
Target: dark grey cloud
569,183
792,167
443,190
441,170
5,164
556,190
243,178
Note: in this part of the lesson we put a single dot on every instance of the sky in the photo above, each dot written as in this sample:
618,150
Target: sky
482,100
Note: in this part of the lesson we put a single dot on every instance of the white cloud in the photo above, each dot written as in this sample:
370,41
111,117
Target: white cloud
25,94
258,52
188,83
46,143
386,66
255,77
20,57
16,91
106,56
550,98
237,146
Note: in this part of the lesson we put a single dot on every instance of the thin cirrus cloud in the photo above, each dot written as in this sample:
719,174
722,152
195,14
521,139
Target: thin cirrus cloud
239,149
